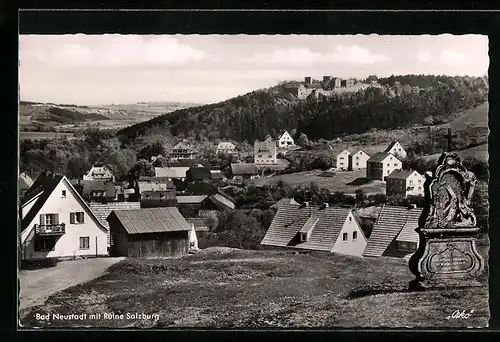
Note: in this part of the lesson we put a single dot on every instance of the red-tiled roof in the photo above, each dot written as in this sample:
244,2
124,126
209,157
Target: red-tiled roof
150,220
391,221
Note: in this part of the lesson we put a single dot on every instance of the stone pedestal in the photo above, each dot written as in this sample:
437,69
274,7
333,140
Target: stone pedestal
447,255
447,259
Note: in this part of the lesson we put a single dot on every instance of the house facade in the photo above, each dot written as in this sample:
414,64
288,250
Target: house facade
99,172
397,150
329,229
341,160
357,160
183,150
154,233
226,147
405,183
173,172
57,223
380,165
285,140
265,153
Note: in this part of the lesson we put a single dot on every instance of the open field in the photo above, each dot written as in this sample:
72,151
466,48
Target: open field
225,288
346,181
23,135
479,152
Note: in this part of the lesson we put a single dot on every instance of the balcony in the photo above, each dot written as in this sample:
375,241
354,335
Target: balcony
50,229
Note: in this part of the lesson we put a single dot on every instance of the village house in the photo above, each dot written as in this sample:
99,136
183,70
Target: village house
341,159
380,165
297,89
397,150
149,233
99,171
217,174
357,160
244,171
99,191
57,223
144,184
198,174
190,205
265,153
25,182
285,140
176,172
405,183
330,82
102,211
158,198
329,229
183,150
394,232
226,147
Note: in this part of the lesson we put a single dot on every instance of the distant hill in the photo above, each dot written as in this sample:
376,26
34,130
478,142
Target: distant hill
473,117
394,103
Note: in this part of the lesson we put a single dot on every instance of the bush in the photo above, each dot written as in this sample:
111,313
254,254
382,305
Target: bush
37,264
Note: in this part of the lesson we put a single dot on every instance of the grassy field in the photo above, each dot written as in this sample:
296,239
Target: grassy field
225,288
479,152
347,181
23,135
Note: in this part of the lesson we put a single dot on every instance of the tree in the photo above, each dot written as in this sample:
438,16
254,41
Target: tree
121,161
76,166
141,169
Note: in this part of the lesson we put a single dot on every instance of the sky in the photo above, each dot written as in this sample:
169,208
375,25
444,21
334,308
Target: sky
122,69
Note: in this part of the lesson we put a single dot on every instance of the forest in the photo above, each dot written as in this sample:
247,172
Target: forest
397,102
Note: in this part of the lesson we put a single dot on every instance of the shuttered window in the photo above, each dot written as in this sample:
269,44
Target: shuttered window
84,242
49,219
78,217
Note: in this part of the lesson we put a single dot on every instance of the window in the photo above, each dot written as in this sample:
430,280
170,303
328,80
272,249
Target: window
419,188
341,157
399,149
388,165
76,218
63,193
45,244
357,164
411,182
357,158
49,219
260,156
162,196
395,164
269,156
84,242
354,236
344,237
303,237
419,181
341,163
350,219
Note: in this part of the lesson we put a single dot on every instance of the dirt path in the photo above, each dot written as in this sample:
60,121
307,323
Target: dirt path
37,285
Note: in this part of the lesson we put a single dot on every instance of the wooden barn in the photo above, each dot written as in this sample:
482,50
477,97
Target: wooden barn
149,233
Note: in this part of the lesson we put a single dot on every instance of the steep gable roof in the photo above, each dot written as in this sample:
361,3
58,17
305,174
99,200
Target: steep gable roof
150,220
284,201
283,133
391,145
222,201
400,174
408,233
380,157
390,222
182,145
290,219
25,181
226,145
46,184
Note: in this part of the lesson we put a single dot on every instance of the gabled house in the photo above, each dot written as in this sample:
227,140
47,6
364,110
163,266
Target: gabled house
244,171
357,160
396,149
226,147
183,150
158,199
405,183
285,140
145,184
265,153
190,205
99,171
394,232
149,233
341,159
331,82
25,182
329,229
380,165
284,201
57,223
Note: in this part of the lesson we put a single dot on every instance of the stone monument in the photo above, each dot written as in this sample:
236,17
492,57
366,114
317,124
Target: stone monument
447,255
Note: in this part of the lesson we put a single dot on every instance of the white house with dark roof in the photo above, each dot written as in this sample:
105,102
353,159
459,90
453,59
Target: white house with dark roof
396,149
341,159
226,147
100,172
405,183
265,152
183,150
329,229
358,159
57,223
173,172
394,232
381,164
285,140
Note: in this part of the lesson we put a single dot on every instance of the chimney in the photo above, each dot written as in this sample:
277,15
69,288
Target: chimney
307,80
